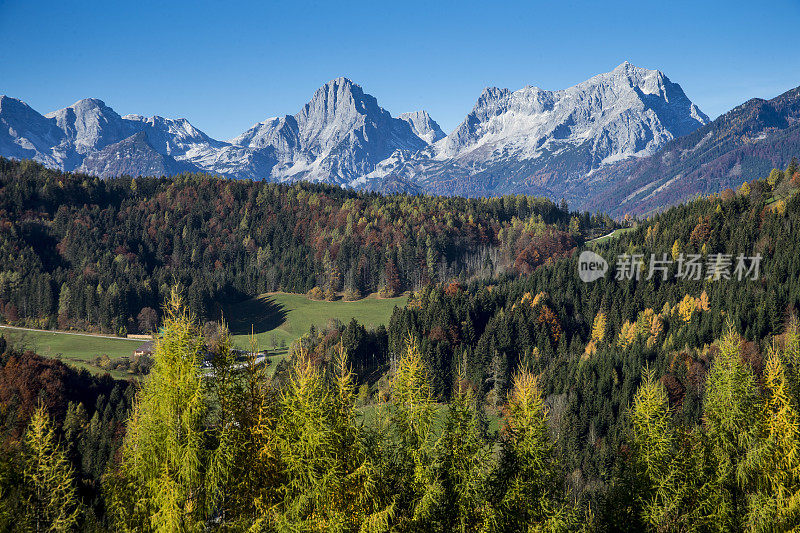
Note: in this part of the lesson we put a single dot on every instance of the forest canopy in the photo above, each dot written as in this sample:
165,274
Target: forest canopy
529,400
101,254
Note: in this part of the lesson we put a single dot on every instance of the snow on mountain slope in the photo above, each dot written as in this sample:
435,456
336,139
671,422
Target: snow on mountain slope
24,133
90,125
339,135
280,133
530,140
133,156
534,140
628,111
740,145
91,137
423,126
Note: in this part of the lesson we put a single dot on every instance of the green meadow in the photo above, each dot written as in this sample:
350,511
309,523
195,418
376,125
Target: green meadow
615,234
76,349
283,317
286,317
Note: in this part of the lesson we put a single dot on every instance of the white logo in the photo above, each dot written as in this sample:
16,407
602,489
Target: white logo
591,266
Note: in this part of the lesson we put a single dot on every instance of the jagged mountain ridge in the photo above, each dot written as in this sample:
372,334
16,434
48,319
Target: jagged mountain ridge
740,145
546,142
342,133
25,134
526,141
423,126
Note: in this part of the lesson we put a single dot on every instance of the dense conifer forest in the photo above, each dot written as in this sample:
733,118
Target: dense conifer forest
504,397
81,252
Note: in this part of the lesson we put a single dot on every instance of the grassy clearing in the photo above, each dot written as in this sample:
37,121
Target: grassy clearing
612,235
289,316
285,316
74,349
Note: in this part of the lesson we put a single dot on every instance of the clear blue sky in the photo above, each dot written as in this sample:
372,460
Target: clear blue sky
226,65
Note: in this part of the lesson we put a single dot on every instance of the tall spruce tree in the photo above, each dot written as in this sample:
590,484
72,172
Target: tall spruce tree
51,499
172,466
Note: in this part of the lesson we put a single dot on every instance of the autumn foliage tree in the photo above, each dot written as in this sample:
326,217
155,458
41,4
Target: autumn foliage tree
169,477
51,502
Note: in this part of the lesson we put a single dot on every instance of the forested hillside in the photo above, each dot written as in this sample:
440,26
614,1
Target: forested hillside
664,396
78,251
591,342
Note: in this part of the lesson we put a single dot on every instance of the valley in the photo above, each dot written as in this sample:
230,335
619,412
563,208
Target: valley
417,267
436,337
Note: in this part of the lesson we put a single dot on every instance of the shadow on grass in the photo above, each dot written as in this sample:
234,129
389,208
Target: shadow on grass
262,312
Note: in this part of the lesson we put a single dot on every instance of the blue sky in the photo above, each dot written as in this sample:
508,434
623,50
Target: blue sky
226,65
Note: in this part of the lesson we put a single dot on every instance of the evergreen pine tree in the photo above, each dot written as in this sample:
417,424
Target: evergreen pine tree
170,474
52,501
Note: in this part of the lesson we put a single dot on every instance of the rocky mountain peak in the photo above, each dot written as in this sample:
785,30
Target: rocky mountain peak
423,126
90,124
528,140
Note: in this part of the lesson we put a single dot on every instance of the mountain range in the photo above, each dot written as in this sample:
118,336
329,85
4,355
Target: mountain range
629,140
740,145
338,136
542,142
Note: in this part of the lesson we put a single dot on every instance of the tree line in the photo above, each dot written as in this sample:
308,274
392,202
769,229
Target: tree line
101,254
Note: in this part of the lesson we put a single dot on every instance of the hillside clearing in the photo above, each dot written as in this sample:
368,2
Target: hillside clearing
285,317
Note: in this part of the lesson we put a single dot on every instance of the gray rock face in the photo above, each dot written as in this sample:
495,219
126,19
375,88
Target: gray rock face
24,133
539,141
530,140
744,143
133,156
423,126
340,135
90,125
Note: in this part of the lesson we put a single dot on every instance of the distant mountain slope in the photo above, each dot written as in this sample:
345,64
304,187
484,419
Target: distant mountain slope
133,156
423,126
25,134
339,135
90,125
741,145
546,142
578,143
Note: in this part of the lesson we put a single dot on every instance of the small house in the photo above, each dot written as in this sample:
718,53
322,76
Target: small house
145,349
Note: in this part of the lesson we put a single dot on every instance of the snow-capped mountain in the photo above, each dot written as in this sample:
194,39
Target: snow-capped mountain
25,134
531,140
545,142
91,137
133,156
738,146
341,134
90,125
423,126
